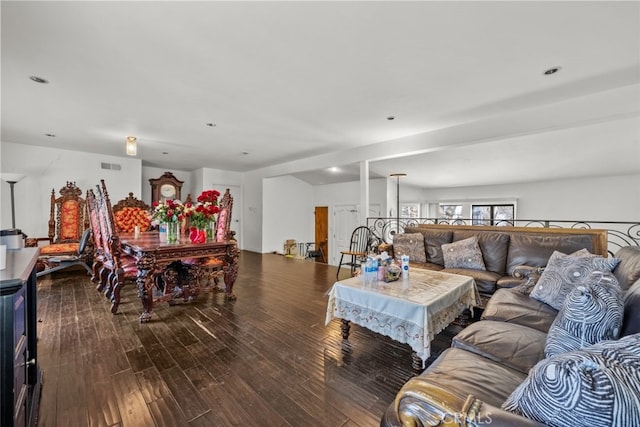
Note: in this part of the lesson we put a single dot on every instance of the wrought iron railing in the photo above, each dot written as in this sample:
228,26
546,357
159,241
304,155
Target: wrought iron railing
619,233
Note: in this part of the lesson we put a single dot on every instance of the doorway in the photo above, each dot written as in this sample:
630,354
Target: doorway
322,232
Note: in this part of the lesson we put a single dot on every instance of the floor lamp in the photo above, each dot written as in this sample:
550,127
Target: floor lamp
397,176
11,179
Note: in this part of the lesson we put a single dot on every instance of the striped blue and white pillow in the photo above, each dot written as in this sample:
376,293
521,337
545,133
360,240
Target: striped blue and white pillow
595,386
592,312
564,272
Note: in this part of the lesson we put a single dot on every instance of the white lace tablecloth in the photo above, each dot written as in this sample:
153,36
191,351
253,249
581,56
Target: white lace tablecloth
411,311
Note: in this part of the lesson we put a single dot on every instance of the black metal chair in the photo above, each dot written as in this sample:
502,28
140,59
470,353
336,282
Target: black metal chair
362,242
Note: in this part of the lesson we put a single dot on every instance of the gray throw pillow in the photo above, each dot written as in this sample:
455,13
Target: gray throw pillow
411,244
592,312
563,272
595,386
463,254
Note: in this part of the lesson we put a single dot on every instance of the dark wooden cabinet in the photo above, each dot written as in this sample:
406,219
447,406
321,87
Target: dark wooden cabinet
20,375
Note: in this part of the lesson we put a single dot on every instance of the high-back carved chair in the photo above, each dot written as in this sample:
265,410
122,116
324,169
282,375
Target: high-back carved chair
67,224
212,268
129,213
111,266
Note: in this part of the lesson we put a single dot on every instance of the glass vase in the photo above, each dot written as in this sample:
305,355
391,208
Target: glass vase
172,232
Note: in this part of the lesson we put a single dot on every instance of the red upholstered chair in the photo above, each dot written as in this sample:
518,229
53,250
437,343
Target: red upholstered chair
129,212
67,223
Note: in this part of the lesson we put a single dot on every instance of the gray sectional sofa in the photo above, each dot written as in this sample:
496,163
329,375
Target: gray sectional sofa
467,384
505,250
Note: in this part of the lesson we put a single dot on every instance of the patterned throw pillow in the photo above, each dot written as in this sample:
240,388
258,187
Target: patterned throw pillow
595,386
463,254
411,244
563,272
591,313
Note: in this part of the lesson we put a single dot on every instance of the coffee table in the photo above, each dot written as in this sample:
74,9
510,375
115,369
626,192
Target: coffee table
412,311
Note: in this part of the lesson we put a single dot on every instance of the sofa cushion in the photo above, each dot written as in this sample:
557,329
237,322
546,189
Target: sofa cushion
535,250
510,305
463,254
631,322
564,272
485,280
493,245
515,346
411,244
592,312
433,239
596,386
468,373
628,271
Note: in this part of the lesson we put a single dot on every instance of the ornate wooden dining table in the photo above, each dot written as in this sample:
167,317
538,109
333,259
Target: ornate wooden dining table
153,257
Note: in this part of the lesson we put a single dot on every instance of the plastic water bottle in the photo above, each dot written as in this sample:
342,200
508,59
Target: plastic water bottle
405,266
368,268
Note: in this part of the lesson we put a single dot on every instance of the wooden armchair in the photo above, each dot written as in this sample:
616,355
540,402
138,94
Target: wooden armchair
67,223
129,213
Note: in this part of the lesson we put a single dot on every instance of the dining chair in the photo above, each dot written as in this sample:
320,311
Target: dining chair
129,213
361,243
67,224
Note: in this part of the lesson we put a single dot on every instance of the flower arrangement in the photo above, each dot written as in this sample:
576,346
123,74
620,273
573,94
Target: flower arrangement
203,212
167,211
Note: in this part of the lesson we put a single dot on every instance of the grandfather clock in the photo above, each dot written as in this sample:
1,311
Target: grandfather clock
165,187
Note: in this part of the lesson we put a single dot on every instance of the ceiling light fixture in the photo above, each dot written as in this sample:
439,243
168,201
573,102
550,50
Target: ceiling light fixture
391,118
334,169
131,146
50,135
211,125
552,70
38,79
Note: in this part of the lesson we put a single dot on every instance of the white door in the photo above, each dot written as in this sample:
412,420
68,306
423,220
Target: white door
345,219
236,212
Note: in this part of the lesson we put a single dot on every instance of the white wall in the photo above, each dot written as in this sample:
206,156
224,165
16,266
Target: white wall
609,198
349,193
288,212
252,212
50,168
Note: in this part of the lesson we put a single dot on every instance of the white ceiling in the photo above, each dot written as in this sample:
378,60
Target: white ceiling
284,81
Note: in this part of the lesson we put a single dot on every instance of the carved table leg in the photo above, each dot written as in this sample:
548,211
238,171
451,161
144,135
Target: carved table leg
145,290
345,327
230,270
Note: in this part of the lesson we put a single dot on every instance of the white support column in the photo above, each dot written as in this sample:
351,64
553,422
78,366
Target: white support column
364,191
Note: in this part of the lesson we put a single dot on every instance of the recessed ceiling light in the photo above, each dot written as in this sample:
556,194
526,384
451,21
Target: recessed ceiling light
244,153
211,125
50,135
552,70
165,152
333,169
391,118
39,79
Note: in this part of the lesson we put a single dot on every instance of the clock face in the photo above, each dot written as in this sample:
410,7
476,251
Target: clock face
167,191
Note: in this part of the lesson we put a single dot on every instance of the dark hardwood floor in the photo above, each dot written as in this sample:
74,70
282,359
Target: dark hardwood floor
266,359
